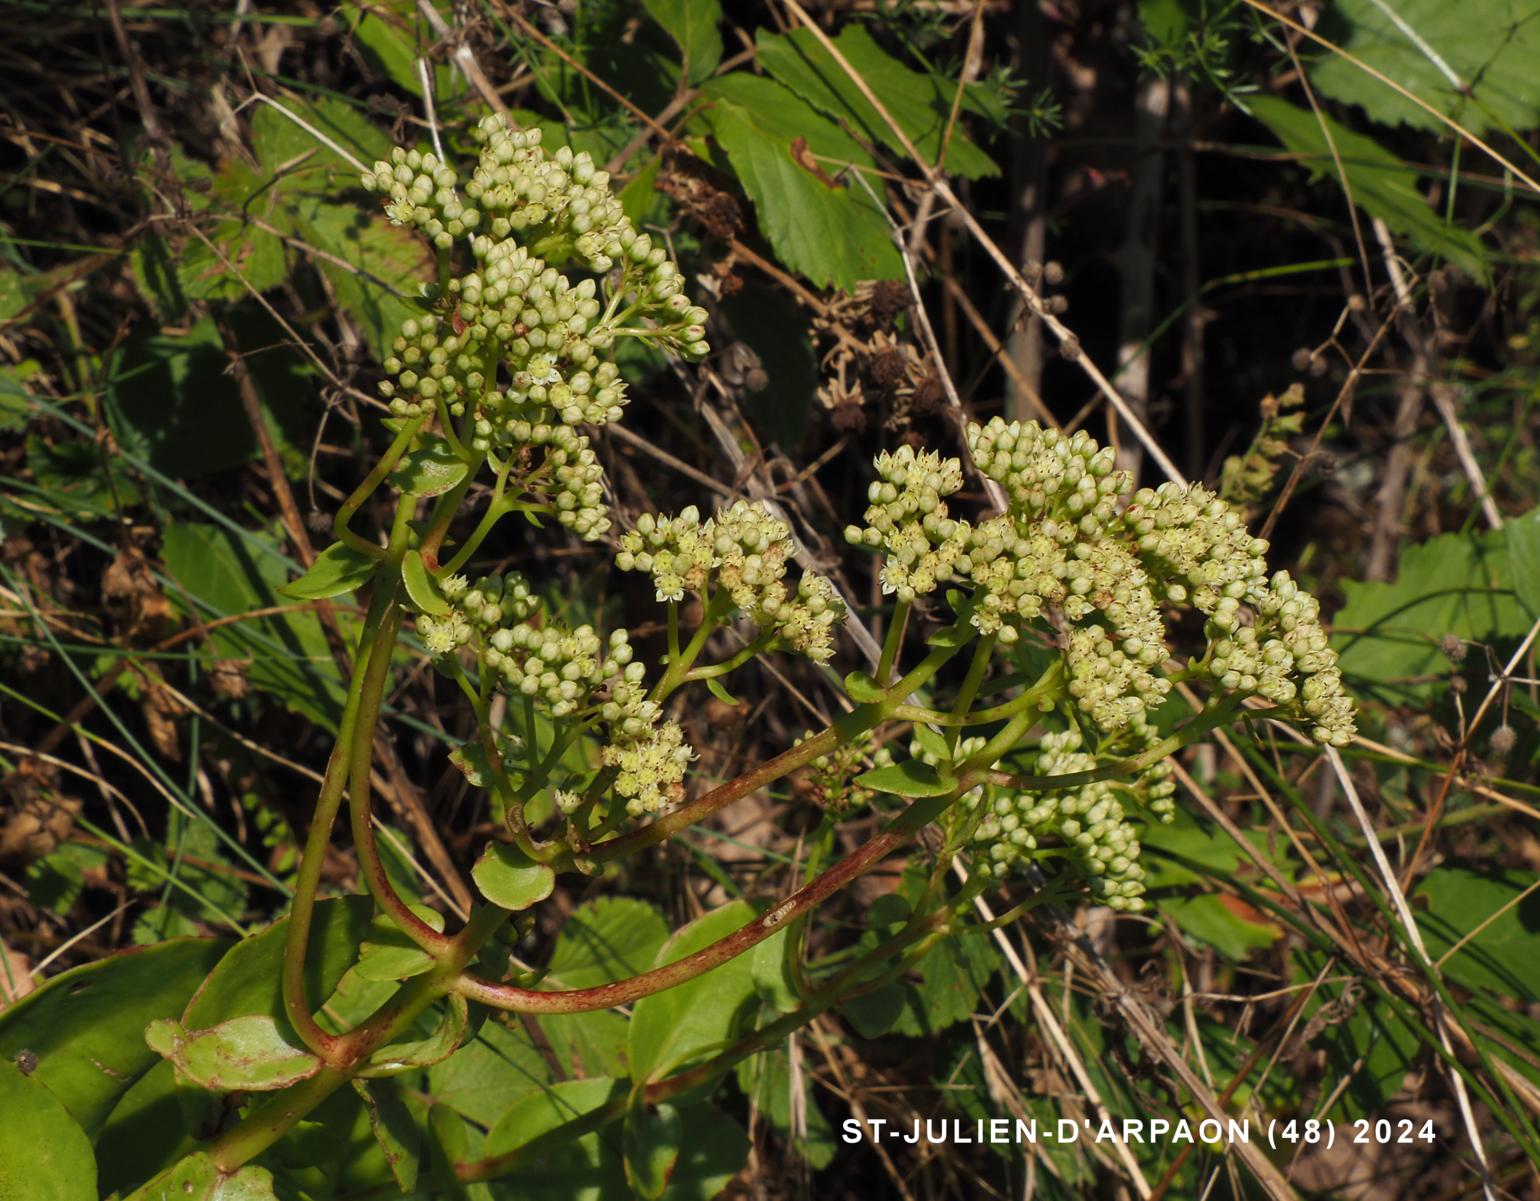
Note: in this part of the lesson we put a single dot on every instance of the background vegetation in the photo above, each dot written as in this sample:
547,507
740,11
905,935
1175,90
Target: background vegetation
1290,250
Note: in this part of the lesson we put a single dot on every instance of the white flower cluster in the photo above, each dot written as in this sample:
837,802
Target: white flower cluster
572,673
1068,542
1085,823
422,194
743,551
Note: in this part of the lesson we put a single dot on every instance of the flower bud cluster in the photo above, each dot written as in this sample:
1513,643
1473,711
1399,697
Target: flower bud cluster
741,553
1087,821
571,673
830,780
422,194
908,521
1067,542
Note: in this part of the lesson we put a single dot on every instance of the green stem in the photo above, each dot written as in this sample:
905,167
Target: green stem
857,721
373,480
970,686
892,643
732,663
376,676
679,665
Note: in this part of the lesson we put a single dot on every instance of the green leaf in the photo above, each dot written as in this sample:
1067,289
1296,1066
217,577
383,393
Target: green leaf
609,939
244,1053
1387,635
86,1025
910,778
831,232
775,327
15,403
921,104
486,1075
248,980
397,1123
390,954
681,1023
766,1080
144,1132
79,478
1208,919
430,470
1523,536
1499,931
510,878
337,570
650,1145
694,24
862,689
1489,46
1379,182
421,586
574,1170
227,573
443,1042
44,1154
196,1178
285,146
719,690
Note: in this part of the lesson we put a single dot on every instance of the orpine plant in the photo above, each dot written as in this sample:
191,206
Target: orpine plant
1041,789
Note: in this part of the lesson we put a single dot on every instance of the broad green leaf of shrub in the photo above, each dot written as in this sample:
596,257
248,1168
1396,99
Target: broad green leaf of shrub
393,35
921,104
246,1053
1504,956
1379,183
1208,919
389,952
230,574
283,145
696,26
671,1027
145,1131
1523,538
337,570
86,1025
1387,634
430,470
44,1154
766,1080
827,229
1490,47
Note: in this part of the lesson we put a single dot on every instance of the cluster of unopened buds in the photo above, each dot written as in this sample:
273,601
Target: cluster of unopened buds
1086,824
1070,543
570,673
740,554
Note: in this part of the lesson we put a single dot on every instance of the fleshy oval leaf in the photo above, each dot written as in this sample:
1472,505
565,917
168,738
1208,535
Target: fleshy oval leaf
430,471
421,586
246,1053
511,879
908,779
337,570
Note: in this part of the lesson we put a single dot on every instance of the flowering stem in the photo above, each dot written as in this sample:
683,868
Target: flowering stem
373,480
894,640
376,674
